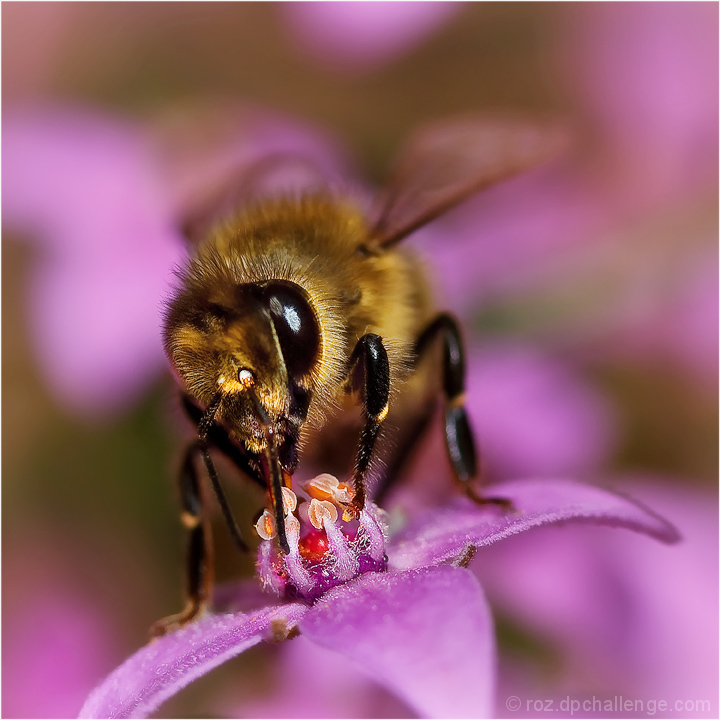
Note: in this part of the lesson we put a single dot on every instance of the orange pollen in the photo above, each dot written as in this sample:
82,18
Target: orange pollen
320,510
265,526
326,487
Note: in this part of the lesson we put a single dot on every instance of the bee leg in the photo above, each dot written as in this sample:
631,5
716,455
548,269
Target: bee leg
217,435
369,371
219,438
459,438
199,550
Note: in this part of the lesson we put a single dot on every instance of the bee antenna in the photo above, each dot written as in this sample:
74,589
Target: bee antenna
203,429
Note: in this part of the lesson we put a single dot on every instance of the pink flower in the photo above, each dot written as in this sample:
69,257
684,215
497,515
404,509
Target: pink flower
102,199
647,78
359,35
57,640
418,625
625,618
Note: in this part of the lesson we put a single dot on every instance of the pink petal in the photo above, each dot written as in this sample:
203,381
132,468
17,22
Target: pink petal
426,635
162,668
311,683
648,75
534,414
630,617
443,534
362,34
86,188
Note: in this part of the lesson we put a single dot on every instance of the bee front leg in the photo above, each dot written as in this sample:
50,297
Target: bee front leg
369,372
200,566
459,438
218,437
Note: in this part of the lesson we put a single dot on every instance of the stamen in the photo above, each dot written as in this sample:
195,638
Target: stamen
269,576
346,564
330,551
289,500
292,530
373,527
299,576
328,487
265,526
321,510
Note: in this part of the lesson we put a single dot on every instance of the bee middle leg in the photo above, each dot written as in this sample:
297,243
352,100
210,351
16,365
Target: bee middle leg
199,558
459,439
369,372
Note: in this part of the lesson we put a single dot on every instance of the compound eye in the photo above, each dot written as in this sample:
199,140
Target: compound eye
296,326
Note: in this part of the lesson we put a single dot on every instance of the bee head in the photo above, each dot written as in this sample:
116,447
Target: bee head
254,344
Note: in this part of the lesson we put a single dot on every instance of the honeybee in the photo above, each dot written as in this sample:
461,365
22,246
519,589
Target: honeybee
296,304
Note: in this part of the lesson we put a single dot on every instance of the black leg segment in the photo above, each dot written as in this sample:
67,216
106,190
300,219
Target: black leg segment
459,438
460,444
210,433
218,437
369,372
199,559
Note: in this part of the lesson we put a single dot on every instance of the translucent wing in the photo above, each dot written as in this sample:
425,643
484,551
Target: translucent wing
218,156
280,173
445,163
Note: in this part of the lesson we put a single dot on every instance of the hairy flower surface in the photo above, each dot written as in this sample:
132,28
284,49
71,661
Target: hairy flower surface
420,627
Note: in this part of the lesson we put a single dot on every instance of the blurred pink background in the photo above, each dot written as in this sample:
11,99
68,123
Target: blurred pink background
589,294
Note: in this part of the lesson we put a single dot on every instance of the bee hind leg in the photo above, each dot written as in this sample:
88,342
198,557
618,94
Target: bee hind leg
199,560
369,372
459,439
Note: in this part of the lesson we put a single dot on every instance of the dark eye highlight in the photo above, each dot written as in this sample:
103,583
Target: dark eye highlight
295,324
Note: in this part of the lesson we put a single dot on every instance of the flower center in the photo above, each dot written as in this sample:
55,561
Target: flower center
329,546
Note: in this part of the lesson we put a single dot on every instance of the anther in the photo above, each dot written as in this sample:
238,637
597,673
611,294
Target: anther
289,499
321,510
265,526
328,487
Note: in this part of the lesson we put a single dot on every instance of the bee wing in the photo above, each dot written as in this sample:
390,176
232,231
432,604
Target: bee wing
269,175
445,163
